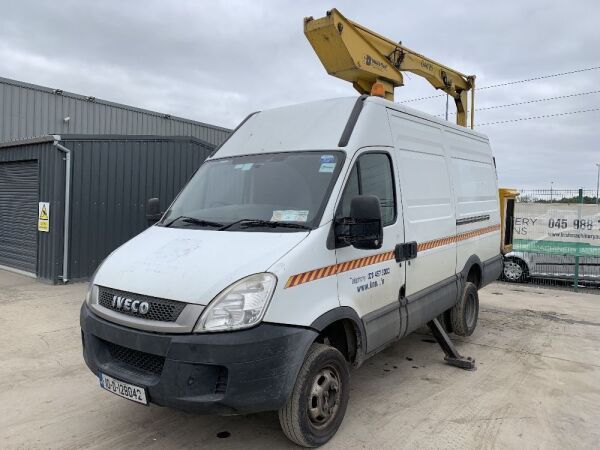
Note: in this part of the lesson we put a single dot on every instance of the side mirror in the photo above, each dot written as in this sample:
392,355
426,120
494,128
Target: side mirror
364,228
153,212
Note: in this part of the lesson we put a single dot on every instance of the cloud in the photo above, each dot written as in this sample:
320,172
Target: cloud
218,61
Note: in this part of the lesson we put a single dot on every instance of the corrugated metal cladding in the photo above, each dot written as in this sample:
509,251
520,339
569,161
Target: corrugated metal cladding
27,110
112,178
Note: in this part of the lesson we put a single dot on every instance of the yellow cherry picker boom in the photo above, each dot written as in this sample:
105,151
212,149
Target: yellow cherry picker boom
374,64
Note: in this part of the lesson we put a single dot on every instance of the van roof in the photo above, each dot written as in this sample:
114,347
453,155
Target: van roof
415,112
319,125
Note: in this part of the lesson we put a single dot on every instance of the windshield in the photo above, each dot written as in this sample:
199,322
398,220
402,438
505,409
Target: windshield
276,191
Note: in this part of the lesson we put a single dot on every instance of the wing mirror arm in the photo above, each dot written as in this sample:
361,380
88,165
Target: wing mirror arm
153,212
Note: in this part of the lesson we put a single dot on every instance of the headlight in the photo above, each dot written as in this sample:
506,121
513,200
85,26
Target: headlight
92,290
241,305
92,293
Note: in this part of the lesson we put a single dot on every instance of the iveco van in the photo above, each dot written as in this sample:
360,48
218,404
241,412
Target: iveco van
316,236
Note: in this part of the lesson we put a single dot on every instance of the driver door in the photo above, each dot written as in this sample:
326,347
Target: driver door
370,281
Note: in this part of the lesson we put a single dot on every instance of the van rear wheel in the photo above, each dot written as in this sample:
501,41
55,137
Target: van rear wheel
318,402
465,313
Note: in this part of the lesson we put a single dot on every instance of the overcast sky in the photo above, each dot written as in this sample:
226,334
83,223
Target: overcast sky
218,61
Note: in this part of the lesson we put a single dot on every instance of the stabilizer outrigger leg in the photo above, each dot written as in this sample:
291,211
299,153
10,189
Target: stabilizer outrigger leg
452,356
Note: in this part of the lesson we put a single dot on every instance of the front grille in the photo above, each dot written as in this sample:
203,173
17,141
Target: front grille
160,309
141,361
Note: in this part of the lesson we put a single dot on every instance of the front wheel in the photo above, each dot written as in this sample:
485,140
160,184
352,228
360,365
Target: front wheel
318,402
514,270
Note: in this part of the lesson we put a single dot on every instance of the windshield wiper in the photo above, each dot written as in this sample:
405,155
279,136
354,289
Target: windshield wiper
195,221
248,223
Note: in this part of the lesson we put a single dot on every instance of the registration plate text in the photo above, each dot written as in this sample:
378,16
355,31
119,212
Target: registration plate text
122,389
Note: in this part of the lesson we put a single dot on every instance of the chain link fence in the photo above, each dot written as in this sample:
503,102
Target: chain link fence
562,196
556,240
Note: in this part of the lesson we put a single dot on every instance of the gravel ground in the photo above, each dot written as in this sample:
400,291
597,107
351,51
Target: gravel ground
536,383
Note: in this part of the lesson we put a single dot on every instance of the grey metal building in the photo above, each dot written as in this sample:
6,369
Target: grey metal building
27,110
93,191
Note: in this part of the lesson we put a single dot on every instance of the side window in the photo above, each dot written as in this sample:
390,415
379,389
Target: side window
350,191
371,175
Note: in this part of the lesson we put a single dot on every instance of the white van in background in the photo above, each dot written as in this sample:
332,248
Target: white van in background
316,236
521,266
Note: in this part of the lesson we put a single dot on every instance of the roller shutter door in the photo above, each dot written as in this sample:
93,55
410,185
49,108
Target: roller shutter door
18,215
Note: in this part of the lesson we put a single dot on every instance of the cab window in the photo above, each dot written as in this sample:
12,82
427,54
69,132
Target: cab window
371,175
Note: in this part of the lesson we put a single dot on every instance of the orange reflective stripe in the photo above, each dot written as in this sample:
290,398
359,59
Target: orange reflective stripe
303,278
290,281
334,269
321,271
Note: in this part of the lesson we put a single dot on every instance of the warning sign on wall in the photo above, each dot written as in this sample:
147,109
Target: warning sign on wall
44,216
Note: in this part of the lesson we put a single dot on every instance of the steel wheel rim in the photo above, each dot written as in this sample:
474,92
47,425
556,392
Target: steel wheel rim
512,270
470,310
324,397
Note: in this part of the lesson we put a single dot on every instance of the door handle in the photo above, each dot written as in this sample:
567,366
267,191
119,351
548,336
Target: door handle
406,251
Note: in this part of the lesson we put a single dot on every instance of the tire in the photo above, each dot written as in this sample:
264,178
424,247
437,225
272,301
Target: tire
464,314
324,366
515,270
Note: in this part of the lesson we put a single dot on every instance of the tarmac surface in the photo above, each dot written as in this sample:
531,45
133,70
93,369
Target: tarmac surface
537,383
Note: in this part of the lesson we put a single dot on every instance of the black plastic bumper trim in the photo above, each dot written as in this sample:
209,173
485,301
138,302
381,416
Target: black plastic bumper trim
492,268
236,372
473,219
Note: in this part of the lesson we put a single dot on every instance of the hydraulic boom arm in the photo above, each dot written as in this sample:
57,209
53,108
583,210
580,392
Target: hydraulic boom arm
374,64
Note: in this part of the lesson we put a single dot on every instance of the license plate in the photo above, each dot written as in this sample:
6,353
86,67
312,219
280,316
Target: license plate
122,389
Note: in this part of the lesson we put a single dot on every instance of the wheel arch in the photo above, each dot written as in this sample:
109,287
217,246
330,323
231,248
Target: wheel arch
345,331
518,258
472,271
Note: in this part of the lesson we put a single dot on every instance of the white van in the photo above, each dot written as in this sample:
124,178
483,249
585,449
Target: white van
520,267
316,236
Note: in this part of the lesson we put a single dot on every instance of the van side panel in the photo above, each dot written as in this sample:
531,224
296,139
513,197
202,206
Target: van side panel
300,303
476,197
371,129
427,200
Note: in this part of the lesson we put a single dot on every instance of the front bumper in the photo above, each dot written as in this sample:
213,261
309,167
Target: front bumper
235,372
